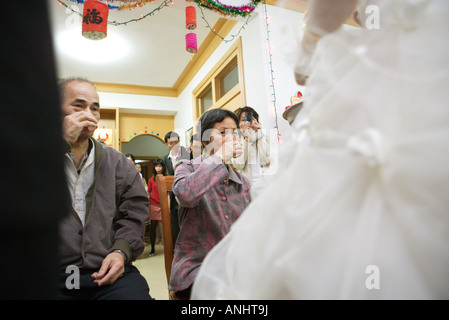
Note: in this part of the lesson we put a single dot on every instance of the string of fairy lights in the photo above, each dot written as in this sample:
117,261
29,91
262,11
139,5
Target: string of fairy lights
124,4
270,64
232,36
163,4
215,5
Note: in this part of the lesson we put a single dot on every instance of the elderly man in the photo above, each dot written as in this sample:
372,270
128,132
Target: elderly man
104,231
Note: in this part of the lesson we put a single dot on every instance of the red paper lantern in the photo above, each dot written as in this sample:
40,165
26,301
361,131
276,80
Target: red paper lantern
190,17
95,20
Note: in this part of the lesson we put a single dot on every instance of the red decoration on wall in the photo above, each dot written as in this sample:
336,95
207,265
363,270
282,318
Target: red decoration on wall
95,20
294,100
103,136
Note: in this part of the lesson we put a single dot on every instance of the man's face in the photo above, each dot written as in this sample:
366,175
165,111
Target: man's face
81,97
173,144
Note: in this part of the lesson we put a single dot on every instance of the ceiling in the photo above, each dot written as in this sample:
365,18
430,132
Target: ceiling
148,53
145,57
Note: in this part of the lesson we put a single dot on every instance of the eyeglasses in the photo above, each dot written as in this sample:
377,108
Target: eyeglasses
234,132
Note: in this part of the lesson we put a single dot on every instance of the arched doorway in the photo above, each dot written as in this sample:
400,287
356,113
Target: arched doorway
146,148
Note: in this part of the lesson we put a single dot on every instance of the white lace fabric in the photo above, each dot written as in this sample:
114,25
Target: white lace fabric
363,180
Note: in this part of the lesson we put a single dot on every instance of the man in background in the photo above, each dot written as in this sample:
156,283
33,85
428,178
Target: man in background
175,154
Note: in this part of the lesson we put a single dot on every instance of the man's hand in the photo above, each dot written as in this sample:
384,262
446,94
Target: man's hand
112,268
75,123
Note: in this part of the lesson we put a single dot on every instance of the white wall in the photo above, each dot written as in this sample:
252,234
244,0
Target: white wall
283,28
184,117
134,103
283,25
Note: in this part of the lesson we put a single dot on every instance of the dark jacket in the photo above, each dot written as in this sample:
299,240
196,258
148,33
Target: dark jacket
173,203
185,155
116,208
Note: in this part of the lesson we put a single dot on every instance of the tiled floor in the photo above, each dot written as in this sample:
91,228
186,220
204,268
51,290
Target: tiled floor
153,269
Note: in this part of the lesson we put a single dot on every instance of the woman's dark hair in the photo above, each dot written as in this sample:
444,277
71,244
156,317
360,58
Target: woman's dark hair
247,109
210,118
195,137
129,155
162,163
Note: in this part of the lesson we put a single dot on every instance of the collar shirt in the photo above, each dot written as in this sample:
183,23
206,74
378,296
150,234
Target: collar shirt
79,179
211,197
174,158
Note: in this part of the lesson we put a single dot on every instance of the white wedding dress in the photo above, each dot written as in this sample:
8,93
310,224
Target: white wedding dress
359,208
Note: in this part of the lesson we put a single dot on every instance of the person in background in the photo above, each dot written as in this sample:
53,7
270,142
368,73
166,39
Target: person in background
155,204
138,166
176,151
212,195
131,157
256,153
139,169
196,147
175,154
103,233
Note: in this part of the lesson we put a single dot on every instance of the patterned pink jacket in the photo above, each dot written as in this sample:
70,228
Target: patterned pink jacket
212,196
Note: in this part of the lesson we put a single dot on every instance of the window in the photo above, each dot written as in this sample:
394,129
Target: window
229,79
223,87
206,100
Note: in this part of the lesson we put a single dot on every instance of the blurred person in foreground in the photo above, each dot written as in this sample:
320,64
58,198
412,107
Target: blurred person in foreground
33,197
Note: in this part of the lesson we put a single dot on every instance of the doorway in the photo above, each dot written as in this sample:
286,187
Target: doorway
146,148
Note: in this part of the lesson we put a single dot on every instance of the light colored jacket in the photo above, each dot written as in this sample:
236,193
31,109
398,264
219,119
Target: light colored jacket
256,146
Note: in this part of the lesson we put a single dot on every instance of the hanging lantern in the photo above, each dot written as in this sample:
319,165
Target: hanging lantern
95,20
191,44
190,17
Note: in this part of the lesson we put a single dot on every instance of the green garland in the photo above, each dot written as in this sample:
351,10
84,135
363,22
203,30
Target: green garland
227,10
